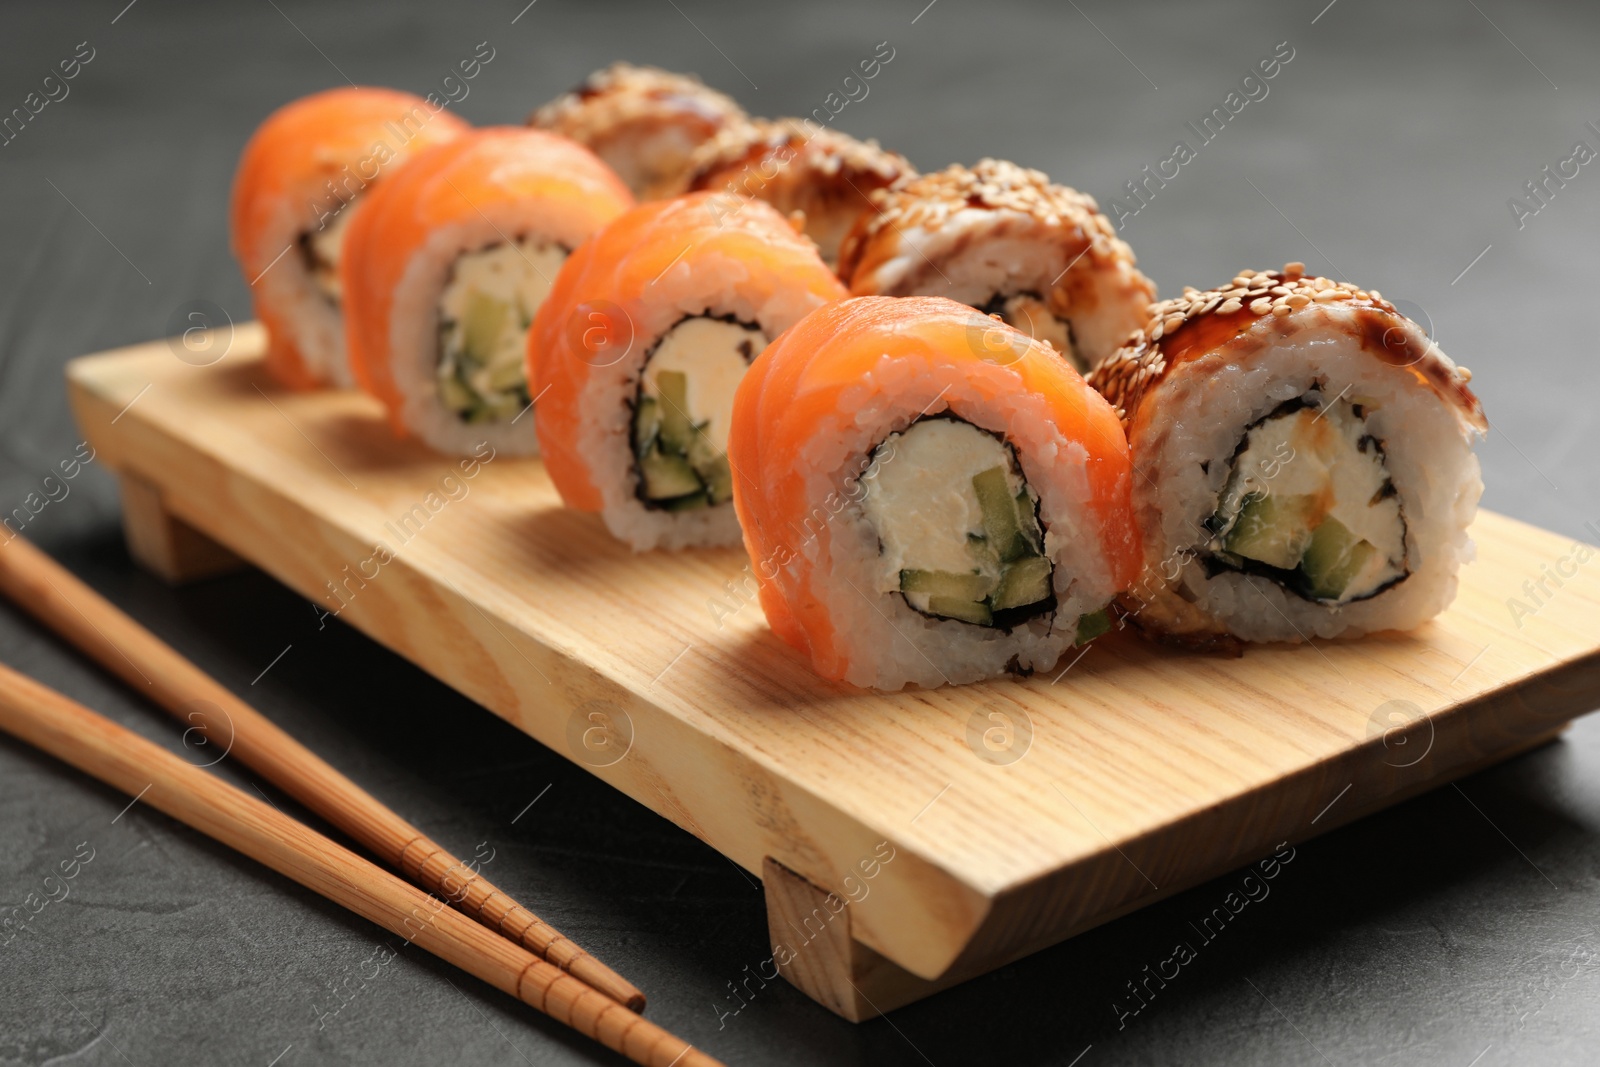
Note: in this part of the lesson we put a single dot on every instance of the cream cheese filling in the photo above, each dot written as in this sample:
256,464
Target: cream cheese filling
1310,495
324,248
684,408
956,522
484,313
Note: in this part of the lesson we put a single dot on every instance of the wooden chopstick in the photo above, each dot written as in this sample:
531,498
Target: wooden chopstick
53,595
147,772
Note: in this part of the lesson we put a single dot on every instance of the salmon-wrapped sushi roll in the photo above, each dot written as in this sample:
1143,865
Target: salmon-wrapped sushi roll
644,122
639,348
1307,460
445,268
797,166
303,177
921,506
1009,242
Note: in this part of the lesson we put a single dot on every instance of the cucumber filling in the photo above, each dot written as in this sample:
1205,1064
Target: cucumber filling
958,526
1093,625
1309,504
320,250
682,410
1029,313
484,312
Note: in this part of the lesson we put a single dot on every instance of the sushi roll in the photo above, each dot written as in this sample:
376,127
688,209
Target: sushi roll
1307,463
919,509
1009,242
303,177
447,264
639,349
797,166
642,121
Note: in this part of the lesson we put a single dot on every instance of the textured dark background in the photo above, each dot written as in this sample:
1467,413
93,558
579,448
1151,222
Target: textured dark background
1457,929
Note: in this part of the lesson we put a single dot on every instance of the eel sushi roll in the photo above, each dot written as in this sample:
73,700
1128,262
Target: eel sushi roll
638,351
1009,242
1307,462
921,510
644,122
447,264
303,177
797,166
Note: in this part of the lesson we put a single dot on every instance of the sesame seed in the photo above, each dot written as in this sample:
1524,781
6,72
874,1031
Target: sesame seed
959,198
1139,368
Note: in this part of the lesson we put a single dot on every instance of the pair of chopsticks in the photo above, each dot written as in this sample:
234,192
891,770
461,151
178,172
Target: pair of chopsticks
508,946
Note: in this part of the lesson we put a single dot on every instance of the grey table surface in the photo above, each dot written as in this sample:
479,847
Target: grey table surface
1457,929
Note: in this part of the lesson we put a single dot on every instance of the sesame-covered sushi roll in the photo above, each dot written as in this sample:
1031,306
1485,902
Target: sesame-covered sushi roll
1307,461
922,509
1009,242
638,351
642,121
303,177
797,165
446,266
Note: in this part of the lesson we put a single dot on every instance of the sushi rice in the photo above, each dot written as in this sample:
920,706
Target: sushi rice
426,317
444,269
645,123
870,493
1009,242
1307,460
304,177
639,435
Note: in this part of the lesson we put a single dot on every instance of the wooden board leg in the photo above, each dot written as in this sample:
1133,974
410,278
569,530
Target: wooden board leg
811,944
165,544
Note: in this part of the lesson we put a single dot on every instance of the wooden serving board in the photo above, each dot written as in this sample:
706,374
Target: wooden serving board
966,826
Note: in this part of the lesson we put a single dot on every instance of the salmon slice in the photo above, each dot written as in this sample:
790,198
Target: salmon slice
857,356
489,174
607,295
308,158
